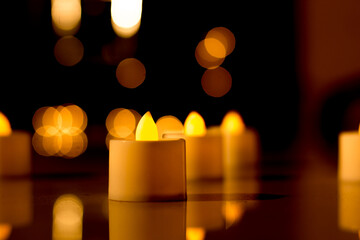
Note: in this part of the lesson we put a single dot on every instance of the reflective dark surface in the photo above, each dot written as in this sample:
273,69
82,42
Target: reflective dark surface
67,199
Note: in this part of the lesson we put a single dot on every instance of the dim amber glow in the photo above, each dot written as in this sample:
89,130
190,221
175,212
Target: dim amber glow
67,218
59,131
130,73
216,82
194,125
5,231
66,16
146,129
232,123
5,127
225,37
169,125
68,51
233,212
205,59
126,17
195,233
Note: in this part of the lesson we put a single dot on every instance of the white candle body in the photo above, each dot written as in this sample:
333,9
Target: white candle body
15,154
349,156
204,157
240,153
147,220
147,170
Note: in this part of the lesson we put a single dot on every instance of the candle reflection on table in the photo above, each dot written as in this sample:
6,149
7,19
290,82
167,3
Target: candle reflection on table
147,220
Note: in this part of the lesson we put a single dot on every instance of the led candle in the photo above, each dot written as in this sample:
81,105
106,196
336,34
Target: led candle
349,156
240,146
203,150
15,151
147,169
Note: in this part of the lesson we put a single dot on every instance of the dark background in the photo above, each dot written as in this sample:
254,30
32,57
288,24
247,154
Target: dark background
263,65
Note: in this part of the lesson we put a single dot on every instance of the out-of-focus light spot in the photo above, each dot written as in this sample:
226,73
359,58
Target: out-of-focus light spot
146,129
233,212
205,59
225,37
130,73
195,233
68,51
169,125
121,123
216,82
66,16
214,47
194,125
59,131
5,127
232,123
5,231
126,17
67,218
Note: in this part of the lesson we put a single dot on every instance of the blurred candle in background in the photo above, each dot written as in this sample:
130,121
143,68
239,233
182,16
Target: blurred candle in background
15,150
349,156
203,150
240,146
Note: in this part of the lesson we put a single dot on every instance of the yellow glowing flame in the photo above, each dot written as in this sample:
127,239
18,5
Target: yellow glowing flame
5,128
66,16
195,233
126,16
146,129
359,129
194,125
233,123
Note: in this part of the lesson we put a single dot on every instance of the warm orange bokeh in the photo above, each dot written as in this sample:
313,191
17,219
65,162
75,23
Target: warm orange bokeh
59,131
216,82
130,73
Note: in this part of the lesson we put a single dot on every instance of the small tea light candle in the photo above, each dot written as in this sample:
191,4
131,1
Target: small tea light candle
147,169
15,150
203,150
240,146
349,156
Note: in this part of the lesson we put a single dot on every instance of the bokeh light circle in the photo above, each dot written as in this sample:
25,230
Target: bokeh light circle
216,82
130,73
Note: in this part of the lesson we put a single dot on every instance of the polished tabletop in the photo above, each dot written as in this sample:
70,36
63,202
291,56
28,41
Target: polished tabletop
281,199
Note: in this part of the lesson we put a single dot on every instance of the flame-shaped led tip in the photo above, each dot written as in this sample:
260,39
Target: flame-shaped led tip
146,129
5,127
232,123
194,125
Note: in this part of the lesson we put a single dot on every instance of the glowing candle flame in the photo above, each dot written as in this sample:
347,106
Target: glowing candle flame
232,123
126,16
146,129
194,125
359,128
5,128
